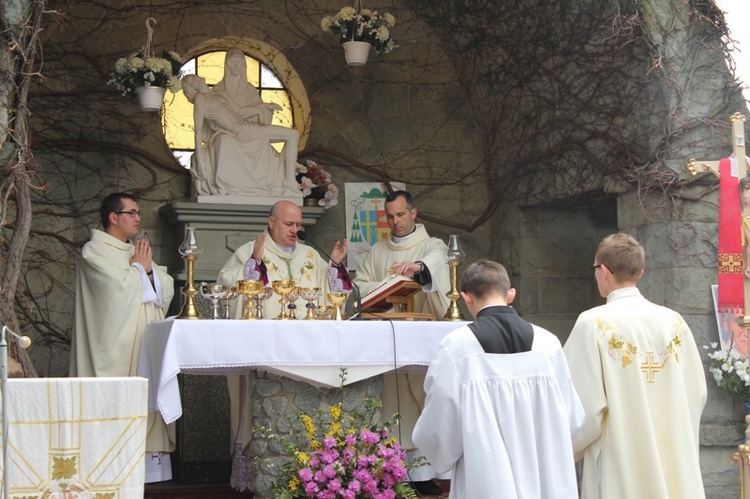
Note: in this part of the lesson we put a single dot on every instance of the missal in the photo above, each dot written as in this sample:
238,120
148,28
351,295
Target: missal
377,299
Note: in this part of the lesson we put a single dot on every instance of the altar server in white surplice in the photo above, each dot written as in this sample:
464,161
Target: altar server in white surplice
119,289
409,250
501,411
638,372
274,255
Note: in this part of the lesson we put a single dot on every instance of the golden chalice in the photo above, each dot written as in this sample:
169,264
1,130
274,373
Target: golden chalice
337,299
283,288
248,288
310,294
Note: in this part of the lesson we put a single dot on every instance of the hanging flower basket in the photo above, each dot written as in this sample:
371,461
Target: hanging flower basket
150,98
145,75
357,26
356,53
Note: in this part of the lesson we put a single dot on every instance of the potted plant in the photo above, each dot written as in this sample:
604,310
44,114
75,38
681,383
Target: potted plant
730,371
148,77
359,30
316,185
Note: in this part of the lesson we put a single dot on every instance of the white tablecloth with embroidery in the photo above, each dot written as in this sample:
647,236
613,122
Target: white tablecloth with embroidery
76,437
311,351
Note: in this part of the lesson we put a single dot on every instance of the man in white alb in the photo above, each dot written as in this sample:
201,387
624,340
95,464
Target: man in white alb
501,411
119,289
408,251
638,372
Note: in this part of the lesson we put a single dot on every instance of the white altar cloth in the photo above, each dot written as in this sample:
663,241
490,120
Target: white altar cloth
311,351
76,437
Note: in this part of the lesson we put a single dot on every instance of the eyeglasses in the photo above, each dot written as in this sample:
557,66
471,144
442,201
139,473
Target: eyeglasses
594,267
131,213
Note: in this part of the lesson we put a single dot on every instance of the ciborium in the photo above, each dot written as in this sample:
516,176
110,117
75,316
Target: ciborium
190,251
249,288
283,288
259,300
455,257
214,293
310,295
323,312
336,300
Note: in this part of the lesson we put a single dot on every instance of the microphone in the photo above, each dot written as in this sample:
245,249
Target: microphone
302,236
23,341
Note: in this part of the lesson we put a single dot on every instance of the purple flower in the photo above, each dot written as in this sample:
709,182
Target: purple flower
329,442
384,433
329,472
305,474
329,456
334,485
369,437
386,494
311,489
320,476
349,494
355,486
314,462
350,440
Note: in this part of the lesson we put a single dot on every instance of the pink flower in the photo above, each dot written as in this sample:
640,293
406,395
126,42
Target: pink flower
369,437
329,442
305,474
311,489
329,471
320,476
334,485
350,440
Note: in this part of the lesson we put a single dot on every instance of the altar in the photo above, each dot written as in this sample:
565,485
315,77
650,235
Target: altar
310,351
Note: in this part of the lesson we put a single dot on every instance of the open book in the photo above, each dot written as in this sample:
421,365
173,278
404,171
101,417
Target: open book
377,299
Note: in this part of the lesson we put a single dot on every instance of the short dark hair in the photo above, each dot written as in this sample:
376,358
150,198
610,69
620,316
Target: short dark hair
397,194
111,204
623,255
484,277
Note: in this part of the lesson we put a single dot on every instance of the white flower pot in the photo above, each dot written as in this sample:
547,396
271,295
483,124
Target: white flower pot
150,98
356,53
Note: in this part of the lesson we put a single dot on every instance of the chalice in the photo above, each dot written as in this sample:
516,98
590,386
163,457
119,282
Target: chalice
292,297
310,294
248,288
259,299
230,294
283,288
337,299
213,292
323,312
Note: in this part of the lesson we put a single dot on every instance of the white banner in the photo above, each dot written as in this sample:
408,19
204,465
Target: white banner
365,217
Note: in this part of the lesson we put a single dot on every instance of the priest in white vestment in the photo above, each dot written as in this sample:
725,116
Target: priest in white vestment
119,289
408,251
638,372
274,255
501,411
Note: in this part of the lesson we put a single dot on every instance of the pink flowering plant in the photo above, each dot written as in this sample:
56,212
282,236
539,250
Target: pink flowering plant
316,183
336,455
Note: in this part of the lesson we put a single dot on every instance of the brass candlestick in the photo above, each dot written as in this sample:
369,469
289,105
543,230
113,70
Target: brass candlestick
455,257
190,250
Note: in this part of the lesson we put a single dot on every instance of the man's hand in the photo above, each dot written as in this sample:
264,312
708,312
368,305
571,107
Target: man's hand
142,254
339,251
258,248
404,268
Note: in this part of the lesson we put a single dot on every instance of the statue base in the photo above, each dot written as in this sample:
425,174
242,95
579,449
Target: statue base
256,200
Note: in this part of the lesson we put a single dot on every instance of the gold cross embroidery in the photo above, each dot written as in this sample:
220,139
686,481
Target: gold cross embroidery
649,367
730,263
376,202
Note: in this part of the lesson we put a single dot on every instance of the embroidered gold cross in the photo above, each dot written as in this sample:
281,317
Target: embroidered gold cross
376,202
730,263
649,367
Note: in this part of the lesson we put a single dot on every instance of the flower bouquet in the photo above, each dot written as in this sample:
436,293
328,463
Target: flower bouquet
150,71
730,372
333,455
316,184
353,24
